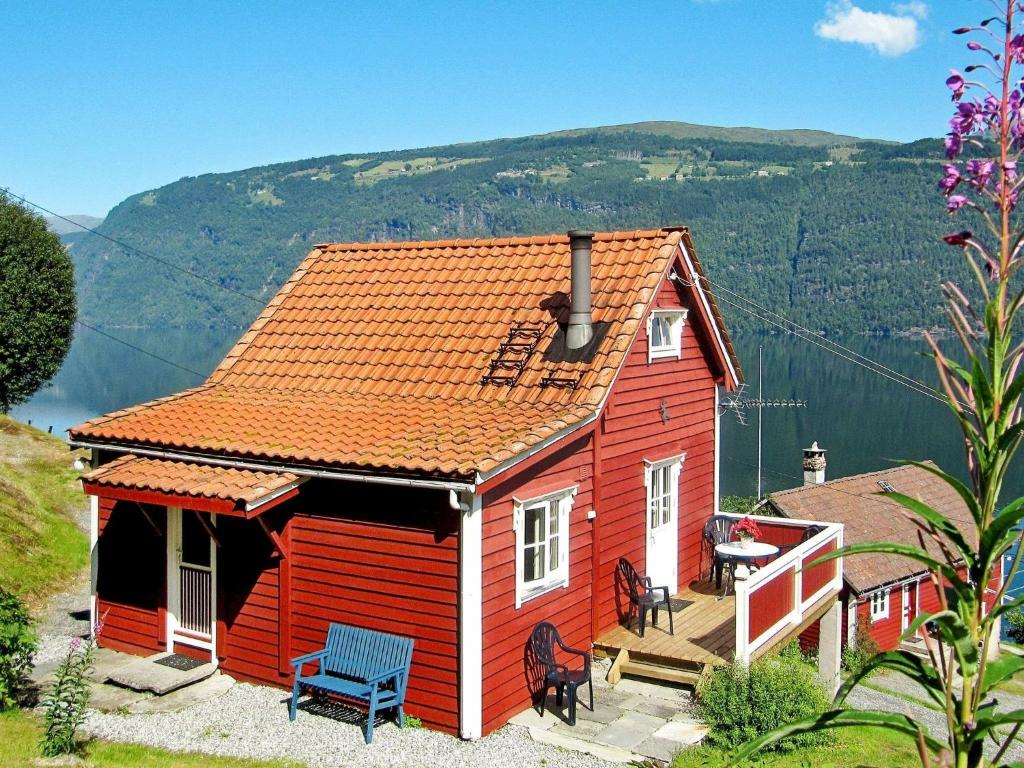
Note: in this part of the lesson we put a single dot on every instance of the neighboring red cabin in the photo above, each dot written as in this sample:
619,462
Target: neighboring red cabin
430,439
883,593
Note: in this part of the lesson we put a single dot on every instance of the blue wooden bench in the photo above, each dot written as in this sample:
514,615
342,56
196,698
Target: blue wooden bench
359,664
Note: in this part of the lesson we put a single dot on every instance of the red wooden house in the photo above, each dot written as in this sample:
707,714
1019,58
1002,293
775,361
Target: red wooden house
883,593
448,440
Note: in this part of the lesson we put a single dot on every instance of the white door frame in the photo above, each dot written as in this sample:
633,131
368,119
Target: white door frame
905,604
663,544
175,633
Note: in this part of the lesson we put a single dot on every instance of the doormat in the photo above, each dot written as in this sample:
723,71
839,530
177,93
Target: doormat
180,662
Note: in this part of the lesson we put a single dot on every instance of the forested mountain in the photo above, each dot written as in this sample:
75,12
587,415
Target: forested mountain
836,233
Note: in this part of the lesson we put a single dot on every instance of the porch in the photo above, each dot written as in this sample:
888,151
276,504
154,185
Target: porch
767,608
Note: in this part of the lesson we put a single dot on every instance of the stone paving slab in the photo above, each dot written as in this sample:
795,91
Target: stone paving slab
146,675
629,730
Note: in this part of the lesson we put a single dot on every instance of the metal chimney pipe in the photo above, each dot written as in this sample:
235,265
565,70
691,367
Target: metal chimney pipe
580,330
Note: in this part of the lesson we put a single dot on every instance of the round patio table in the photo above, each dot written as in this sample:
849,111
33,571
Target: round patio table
735,551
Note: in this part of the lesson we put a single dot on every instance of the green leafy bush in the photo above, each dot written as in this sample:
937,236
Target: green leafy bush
17,647
740,703
1015,624
64,705
864,648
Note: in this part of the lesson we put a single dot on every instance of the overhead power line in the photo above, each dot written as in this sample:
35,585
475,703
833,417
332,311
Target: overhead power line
141,350
132,249
759,312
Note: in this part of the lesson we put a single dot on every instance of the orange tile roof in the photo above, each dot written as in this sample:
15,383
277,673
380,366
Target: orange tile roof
371,356
182,478
869,517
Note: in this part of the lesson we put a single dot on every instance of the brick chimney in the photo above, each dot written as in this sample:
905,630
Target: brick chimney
814,464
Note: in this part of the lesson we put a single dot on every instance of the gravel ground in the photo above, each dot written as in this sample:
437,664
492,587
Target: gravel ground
252,721
866,698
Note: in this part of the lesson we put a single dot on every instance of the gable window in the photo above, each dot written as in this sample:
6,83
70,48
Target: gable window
880,605
542,544
665,333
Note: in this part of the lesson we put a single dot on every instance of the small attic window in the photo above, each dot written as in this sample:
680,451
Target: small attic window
665,333
886,486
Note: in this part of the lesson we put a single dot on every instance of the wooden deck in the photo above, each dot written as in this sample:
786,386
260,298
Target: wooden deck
705,632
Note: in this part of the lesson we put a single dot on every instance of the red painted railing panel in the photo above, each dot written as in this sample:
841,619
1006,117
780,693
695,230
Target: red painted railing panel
816,577
771,602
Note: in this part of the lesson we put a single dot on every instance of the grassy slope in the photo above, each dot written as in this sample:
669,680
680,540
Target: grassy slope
19,735
679,130
41,547
854,748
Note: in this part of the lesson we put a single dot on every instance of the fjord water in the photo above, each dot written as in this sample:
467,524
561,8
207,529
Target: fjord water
864,420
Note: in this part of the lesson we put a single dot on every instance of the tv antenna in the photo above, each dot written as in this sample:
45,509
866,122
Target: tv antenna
739,404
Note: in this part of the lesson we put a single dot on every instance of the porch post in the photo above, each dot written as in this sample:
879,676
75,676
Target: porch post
471,617
830,647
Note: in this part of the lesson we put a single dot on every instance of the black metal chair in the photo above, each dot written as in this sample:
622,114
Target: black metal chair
544,644
643,597
718,530
809,533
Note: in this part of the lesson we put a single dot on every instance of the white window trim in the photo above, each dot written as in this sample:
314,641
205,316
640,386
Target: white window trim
676,321
650,467
558,578
882,612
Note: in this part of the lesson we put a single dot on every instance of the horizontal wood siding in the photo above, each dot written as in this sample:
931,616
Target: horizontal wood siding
248,582
130,585
506,629
633,431
886,632
383,558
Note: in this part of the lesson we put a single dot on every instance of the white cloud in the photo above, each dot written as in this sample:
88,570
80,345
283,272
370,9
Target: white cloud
889,34
912,8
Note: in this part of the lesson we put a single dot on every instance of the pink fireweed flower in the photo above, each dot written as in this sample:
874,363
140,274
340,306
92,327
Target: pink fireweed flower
959,238
981,172
954,145
955,83
1010,170
76,643
955,202
950,181
1017,48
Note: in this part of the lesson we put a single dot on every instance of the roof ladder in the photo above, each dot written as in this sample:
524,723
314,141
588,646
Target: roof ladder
513,355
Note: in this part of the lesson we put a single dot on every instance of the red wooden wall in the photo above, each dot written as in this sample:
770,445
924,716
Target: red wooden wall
634,431
506,630
383,558
130,587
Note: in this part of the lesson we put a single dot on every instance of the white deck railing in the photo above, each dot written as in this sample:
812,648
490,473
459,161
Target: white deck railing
774,599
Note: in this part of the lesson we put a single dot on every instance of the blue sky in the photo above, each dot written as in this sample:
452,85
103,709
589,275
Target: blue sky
102,100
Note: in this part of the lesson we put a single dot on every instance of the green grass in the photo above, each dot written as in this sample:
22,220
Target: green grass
854,748
19,735
41,548
395,168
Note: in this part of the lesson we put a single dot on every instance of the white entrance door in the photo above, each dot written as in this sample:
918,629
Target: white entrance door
909,605
191,576
663,523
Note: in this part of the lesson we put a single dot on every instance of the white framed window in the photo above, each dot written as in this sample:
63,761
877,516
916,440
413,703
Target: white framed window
880,605
665,333
663,490
542,543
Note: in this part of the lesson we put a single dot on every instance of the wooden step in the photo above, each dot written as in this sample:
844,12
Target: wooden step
650,671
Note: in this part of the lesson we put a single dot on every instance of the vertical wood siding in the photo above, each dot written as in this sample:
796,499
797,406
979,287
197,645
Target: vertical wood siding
130,587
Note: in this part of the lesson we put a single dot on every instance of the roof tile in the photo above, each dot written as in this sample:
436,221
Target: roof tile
371,355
